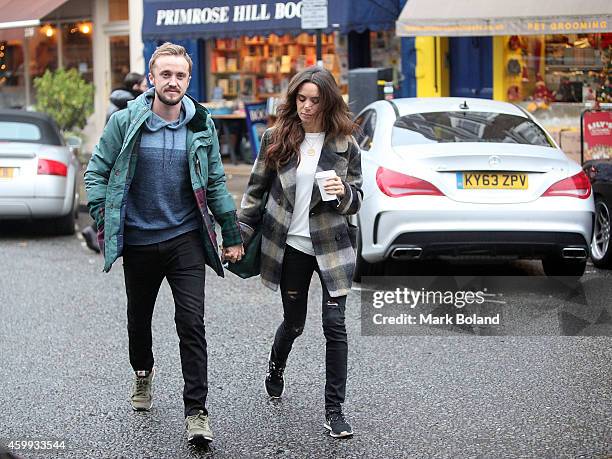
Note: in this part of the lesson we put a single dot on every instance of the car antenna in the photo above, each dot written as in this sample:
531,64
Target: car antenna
464,106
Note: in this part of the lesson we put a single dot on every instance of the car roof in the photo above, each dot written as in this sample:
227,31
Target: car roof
25,114
407,106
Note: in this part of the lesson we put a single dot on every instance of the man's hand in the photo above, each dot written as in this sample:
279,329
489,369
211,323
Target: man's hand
233,253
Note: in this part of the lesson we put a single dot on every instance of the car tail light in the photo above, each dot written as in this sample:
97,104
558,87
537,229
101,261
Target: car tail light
576,186
395,184
51,167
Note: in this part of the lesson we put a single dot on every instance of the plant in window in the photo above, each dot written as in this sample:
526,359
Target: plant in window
66,97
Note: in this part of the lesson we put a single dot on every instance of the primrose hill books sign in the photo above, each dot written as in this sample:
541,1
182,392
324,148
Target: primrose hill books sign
228,14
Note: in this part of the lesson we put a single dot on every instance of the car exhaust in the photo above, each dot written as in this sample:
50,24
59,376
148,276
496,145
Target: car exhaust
406,253
574,253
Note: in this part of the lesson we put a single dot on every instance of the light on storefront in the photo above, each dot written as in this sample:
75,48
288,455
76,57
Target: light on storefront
85,28
48,30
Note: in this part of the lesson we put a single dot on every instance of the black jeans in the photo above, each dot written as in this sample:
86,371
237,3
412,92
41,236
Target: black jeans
181,261
295,282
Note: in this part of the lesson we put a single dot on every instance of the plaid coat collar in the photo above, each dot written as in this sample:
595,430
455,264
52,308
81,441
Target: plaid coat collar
333,156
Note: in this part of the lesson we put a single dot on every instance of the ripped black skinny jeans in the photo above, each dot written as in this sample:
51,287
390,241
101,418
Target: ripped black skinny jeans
295,282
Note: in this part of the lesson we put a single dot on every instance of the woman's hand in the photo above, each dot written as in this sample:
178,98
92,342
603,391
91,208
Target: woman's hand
334,186
233,253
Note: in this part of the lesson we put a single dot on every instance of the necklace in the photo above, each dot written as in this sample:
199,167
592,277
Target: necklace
311,151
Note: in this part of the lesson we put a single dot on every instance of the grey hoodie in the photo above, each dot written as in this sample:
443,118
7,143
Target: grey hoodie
160,202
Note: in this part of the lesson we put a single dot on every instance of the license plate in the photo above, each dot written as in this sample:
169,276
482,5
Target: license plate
8,172
492,180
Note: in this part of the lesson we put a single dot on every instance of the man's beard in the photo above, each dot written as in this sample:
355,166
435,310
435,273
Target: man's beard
167,101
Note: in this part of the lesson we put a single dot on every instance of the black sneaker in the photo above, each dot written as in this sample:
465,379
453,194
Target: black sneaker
337,425
91,238
275,382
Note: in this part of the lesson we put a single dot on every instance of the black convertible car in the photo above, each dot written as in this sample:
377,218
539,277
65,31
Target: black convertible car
600,173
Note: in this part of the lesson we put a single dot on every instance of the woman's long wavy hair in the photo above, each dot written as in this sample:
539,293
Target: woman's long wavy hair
288,133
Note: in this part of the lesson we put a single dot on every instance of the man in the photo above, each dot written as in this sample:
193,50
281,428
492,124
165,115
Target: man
151,182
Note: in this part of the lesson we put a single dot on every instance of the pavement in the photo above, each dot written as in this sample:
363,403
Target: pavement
65,376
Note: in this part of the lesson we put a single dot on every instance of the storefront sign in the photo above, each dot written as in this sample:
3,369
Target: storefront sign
314,14
257,122
199,19
227,14
597,132
504,27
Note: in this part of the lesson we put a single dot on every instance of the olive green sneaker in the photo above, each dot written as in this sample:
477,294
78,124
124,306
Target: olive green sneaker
142,390
198,429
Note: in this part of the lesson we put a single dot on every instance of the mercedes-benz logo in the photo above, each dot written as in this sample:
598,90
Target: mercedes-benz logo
494,160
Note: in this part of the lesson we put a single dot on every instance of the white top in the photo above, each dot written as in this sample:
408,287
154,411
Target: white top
298,236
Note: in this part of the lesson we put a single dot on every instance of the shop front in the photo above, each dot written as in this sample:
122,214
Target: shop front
41,36
246,51
553,58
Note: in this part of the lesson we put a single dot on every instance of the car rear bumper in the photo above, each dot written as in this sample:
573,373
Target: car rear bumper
27,208
525,231
490,244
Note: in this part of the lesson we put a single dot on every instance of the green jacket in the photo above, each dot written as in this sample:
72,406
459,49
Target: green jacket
112,167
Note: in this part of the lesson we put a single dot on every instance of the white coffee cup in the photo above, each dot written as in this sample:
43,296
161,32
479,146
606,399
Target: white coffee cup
322,178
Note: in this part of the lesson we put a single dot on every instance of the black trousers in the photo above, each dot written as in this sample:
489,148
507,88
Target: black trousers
181,261
297,271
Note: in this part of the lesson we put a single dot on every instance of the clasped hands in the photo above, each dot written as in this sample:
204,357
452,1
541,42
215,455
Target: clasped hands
233,253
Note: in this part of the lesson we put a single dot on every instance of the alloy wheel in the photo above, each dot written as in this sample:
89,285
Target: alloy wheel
601,233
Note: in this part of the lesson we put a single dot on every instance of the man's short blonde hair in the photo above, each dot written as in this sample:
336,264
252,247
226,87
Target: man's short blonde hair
170,49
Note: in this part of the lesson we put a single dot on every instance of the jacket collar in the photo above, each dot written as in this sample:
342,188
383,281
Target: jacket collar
140,110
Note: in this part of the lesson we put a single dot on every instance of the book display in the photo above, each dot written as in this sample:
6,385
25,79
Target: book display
256,68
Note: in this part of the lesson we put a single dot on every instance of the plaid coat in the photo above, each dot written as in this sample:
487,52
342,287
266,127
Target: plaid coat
333,238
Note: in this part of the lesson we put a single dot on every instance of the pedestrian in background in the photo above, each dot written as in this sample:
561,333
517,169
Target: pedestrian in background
134,84
151,182
301,232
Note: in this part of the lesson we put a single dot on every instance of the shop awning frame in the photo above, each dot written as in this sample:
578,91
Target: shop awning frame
17,14
518,17
166,19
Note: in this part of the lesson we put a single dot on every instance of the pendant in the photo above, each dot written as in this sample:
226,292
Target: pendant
310,152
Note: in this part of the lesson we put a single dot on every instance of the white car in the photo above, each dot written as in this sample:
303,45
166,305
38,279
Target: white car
38,171
468,179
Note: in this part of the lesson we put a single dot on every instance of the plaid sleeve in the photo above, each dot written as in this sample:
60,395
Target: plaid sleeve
230,229
351,201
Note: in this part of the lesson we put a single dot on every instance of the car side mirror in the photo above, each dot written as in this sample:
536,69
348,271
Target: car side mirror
74,144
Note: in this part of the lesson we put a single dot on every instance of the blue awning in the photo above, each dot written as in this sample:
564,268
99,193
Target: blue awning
164,19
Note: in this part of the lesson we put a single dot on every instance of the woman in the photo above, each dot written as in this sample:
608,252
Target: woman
302,233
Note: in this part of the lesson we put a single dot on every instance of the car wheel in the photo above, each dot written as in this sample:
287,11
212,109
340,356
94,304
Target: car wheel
64,226
557,266
362,267
600,245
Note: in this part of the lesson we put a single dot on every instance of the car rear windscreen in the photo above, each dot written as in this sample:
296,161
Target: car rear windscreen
21,126
20,132
442,127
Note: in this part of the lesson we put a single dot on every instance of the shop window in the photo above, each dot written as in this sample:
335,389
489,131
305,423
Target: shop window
119,59
118,10
560,68
77,48
257,68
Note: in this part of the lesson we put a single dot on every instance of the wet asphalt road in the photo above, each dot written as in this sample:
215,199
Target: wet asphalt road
65,375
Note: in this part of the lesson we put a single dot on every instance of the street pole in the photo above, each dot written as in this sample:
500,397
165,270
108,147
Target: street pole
319,48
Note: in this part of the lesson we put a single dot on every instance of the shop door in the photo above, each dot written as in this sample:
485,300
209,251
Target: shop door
471,67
